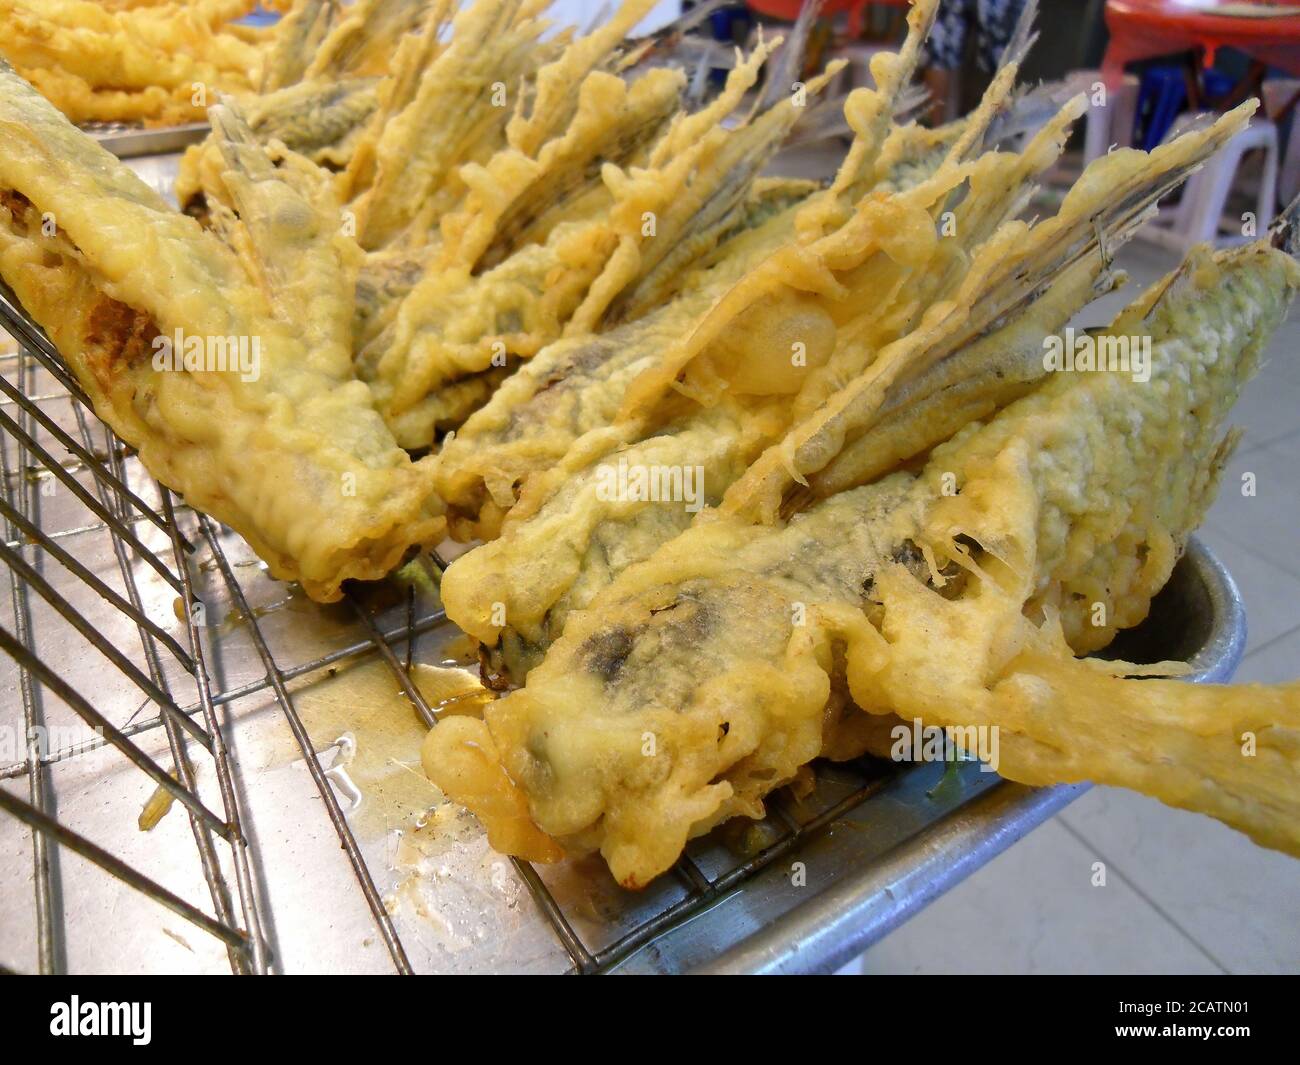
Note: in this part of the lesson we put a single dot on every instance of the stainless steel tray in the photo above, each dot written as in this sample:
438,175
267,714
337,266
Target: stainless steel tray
131,141
303,837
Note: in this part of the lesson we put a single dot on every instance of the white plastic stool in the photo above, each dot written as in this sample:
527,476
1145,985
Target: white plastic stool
1197,216
1113,123
1278,92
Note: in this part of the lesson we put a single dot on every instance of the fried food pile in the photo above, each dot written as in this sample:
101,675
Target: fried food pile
156,63
914,518
745,649
755,464
508,191
164,62
228,370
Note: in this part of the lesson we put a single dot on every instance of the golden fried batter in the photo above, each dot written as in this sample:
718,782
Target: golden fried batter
285,447
699,679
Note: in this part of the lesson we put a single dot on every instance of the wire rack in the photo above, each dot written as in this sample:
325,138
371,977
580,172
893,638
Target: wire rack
111,581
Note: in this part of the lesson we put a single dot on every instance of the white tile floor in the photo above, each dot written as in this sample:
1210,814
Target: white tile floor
1183,893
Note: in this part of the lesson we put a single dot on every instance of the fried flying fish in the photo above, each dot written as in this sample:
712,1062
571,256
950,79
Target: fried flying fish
993,295
521,195
322,87
145,64
298,35
491,237
321,83
575,386
322,120
694,189
702,678
364,35
255,416
456,116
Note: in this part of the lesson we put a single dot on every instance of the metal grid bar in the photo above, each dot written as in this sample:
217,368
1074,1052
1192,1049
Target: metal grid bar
33,724
31,410
119,508
120,512
28,441
47,826
238,844
704,897
173,719
81,530
230,695
337,818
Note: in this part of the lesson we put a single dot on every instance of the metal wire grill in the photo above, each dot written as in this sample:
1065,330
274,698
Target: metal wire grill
88,537
33,427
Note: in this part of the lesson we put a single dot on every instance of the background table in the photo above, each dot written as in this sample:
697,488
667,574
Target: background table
1144,29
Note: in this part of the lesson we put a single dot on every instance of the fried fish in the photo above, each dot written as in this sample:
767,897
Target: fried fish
700,679
230,372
